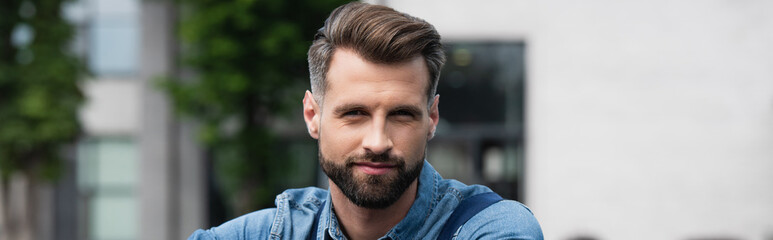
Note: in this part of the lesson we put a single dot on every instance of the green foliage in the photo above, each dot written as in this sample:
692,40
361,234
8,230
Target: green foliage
39,87
249,57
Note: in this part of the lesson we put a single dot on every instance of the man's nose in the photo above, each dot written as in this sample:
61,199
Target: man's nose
376,139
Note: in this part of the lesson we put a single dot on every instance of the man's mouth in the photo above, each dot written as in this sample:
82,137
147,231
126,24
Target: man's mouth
374,168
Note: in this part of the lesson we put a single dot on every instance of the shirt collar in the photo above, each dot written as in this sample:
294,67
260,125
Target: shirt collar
330,222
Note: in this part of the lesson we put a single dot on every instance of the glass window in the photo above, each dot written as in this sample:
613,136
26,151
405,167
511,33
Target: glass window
114,37
107,177
479,138
483,81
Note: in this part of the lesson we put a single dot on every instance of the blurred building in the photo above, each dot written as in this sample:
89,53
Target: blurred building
643,119
138,173
610,119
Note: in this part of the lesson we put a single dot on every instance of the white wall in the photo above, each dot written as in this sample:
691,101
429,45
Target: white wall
645,119
111,108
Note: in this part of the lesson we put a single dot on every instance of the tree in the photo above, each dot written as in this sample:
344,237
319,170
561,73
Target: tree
249,57
39,100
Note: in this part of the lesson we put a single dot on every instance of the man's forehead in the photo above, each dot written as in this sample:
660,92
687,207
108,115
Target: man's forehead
350,75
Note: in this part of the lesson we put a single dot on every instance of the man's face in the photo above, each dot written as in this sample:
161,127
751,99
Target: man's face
373,126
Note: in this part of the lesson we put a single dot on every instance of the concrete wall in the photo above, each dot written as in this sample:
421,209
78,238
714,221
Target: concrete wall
645,119
112,107
172,187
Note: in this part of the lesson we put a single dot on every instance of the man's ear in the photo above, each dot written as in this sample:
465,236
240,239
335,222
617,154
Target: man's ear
311,114
434,117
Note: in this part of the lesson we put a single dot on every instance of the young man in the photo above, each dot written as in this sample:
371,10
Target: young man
373,108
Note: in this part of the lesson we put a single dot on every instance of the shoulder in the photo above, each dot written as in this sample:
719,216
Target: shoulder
293,205
460,190
252,224
297,198
506,219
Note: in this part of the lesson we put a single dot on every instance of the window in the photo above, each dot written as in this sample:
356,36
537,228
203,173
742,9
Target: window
479,138
107,176
108,35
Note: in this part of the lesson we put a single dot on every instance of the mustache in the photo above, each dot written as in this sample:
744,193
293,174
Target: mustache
372,157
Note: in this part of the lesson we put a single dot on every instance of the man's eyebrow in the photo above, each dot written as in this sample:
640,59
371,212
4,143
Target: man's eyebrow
341,109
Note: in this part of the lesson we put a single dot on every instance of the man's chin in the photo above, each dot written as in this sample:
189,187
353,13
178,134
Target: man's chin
371,189
377,191
374,197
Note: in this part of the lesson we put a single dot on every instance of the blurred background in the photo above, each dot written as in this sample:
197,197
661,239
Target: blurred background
148,119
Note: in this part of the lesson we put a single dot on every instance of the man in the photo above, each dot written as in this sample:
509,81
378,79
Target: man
373,108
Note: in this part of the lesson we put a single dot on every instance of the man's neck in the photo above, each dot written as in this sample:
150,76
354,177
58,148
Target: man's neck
363,223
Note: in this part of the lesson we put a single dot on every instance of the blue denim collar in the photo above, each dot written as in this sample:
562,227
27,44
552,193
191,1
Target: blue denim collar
407,228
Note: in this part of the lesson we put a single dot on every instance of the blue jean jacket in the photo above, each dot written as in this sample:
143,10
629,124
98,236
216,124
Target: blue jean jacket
435,200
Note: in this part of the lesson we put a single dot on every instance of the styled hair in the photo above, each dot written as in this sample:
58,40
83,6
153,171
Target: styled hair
378,34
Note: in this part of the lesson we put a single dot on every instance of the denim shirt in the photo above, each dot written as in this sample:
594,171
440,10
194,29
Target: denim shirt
436,198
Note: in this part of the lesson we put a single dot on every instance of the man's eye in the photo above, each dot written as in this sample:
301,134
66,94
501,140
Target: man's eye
403,113
354,113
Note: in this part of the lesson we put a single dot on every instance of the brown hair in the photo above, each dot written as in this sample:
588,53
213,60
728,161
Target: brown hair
378,34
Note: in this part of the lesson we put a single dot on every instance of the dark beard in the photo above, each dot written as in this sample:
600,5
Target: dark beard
375,191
